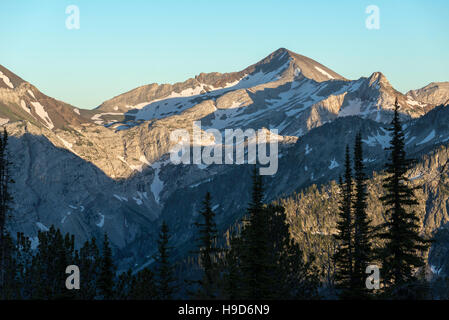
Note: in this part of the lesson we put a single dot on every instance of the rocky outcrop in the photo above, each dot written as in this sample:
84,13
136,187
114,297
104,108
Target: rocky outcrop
436,93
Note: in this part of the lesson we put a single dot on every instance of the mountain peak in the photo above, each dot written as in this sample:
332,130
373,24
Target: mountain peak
379,78
291,63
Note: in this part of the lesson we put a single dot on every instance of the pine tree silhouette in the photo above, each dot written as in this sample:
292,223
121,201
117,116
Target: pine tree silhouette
362,230
90,263
107,272
164,269
255,261
344,255
403,243
208,251
5,202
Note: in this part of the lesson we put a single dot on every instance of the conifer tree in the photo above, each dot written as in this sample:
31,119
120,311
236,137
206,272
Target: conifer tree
124,287
54,253
344,255
143,286
264,262
90,263
107,272
5,202
293,278
362,230
165,278
208,251
403,243
256,262
17,277
232,288
12,283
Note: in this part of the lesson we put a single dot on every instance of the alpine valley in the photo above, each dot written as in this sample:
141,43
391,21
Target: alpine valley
108,169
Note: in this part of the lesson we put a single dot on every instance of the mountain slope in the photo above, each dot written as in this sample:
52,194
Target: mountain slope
434,93
284,91
108,170
20,100
266,70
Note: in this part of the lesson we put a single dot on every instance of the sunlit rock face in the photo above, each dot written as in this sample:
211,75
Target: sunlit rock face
109,170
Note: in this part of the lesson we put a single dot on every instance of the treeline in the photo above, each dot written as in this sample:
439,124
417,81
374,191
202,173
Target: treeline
260,260
41,273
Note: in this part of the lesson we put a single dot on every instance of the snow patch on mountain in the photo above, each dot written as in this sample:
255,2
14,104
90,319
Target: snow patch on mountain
308,149
6,80
120,198
100,224
410,140
334,164
428,138
157,185
352,109
435,270
383,140
31,94
42,227
97,117
324,72
200,183
24,106
144,160
40,111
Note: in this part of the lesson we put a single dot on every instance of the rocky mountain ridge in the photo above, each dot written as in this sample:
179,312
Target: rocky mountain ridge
108,170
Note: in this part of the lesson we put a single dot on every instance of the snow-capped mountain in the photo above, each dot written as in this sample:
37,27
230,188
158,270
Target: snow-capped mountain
107,169
284,91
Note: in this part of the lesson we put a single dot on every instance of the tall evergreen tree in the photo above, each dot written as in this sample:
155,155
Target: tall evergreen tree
5,202
165,279
107,272
403,243
362,231
232,288
255,261
293,278
90,263
208,251
344,255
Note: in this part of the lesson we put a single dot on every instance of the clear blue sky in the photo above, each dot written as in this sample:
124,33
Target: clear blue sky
122,45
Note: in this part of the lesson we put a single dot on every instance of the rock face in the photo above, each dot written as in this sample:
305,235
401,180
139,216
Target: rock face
19,100
108,169
436,93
